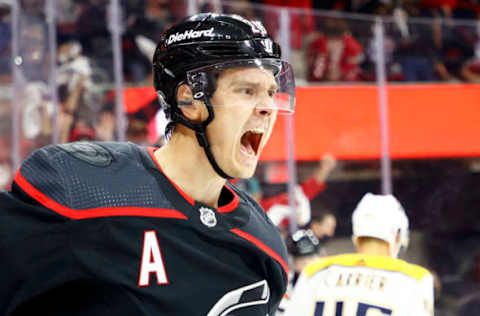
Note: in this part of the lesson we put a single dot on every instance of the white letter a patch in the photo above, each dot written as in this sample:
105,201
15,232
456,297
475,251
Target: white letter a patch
152,261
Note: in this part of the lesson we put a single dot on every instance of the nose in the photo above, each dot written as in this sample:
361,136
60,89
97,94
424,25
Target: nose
263,111
265,106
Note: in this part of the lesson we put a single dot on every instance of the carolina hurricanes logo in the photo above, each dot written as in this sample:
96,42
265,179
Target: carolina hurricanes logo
207,216
250,295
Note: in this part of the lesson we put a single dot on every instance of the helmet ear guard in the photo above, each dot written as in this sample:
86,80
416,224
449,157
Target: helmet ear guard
199,83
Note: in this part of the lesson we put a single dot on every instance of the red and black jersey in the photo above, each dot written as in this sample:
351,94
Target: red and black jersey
98,229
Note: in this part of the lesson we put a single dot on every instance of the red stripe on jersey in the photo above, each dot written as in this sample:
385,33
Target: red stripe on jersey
92,212
262,246
151,151
233,203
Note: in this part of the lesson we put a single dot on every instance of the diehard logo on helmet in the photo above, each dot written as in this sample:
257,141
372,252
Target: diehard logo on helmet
188,34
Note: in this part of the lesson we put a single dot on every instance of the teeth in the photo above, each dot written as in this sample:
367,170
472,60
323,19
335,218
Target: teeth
257,130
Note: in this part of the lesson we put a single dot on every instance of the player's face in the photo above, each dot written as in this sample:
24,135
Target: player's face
244,118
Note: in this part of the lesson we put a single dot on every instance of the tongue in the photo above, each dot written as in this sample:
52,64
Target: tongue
247,145
249,149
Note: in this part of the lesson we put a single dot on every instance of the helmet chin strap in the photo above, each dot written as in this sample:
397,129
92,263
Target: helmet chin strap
202,140
200,130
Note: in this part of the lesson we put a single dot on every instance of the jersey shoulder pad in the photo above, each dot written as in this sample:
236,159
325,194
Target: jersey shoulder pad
374,262
417,272
323,263
88,175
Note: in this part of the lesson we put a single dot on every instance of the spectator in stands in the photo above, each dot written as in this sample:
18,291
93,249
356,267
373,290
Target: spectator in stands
137,131
335,55
74,114
81,131
457,49
471,69
277,207
416,48
147,19
454,41
368,66
73,66
93,34
105,125
78,102
323,225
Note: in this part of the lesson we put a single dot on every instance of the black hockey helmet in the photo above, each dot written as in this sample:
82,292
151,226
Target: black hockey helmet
198,48
303,243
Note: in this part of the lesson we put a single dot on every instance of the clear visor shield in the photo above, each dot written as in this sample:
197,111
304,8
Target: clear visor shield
264,84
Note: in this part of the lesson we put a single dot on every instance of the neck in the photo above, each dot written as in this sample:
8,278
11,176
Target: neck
372,246
184,161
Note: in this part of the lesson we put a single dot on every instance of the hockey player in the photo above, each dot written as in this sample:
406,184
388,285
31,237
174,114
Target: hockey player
117,229
372,281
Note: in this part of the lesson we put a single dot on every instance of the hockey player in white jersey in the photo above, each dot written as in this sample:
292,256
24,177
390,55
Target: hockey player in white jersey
371,282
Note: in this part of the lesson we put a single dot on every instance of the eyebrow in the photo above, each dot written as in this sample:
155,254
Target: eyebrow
252,84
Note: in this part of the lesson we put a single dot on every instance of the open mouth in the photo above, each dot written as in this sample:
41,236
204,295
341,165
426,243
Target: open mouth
251,141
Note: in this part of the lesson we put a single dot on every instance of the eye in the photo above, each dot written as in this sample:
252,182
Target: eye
247,91
272,93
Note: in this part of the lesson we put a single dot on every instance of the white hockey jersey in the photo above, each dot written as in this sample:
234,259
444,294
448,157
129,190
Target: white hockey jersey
362,285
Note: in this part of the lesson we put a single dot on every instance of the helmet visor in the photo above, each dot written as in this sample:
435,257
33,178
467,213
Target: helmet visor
267,84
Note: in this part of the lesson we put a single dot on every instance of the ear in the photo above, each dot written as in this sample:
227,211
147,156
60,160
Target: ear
397,237
184,95
193,110
355,242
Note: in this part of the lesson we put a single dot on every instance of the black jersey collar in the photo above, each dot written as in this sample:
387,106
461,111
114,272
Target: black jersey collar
229,197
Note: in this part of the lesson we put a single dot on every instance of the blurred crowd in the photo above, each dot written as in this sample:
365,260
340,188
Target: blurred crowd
330,41
424,40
